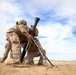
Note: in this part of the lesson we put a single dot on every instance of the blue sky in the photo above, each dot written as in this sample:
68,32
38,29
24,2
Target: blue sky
57,25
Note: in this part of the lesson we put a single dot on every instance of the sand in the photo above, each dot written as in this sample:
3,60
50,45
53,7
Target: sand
60,68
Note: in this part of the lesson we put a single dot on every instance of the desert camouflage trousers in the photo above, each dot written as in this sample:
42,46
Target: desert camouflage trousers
14,46
29,59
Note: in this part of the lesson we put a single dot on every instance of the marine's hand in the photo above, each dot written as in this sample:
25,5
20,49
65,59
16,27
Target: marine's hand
30,37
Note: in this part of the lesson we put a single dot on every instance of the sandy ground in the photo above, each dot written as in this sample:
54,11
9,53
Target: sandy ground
60,68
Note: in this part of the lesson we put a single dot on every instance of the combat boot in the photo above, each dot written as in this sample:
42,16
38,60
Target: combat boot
2,60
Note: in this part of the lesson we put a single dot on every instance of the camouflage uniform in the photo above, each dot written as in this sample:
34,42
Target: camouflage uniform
16,36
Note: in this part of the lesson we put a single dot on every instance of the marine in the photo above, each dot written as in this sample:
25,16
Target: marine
16,38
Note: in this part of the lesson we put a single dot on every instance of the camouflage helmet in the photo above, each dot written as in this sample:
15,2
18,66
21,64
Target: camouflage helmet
23,22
